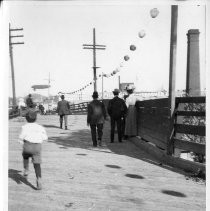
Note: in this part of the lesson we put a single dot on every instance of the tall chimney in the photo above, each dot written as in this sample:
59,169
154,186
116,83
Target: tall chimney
193,63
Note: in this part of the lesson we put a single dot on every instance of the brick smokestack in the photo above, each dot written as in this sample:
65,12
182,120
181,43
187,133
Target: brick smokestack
193,63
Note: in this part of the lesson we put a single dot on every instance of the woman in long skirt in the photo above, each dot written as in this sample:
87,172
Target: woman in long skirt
131,120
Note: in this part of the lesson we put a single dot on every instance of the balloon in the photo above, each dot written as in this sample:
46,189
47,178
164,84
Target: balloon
132,47
154,12
115,71
142,33
126,58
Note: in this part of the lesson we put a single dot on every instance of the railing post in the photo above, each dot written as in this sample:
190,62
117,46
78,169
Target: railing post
172,77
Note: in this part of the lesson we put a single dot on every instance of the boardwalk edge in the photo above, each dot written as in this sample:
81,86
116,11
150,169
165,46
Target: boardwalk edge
162,157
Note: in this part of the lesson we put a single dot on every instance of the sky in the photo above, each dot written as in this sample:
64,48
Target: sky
54,33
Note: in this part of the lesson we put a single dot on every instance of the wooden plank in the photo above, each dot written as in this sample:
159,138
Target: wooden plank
162,102
156,123
155,134
191,113
190,146
153,140
154,110
186,165
190,129
191,99
138,178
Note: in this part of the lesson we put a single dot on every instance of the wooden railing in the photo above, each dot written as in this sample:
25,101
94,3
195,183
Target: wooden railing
182,128
14,112
80,108
153,123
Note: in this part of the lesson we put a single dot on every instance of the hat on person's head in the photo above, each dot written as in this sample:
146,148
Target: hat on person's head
31,115
116,91
95,94
130,87
62,97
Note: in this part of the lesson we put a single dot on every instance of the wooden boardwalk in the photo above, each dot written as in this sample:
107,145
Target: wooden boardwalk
114,177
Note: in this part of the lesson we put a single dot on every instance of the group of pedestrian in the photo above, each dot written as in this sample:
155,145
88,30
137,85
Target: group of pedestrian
122,113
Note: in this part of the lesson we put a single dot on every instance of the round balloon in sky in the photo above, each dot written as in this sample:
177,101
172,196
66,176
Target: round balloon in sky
132,47
142,33
126,58
154,12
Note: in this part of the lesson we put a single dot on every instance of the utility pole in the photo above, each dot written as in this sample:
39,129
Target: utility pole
172,76
102,90
49,80
119,83
11,59
94,47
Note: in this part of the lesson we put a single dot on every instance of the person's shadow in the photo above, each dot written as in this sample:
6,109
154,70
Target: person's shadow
18,178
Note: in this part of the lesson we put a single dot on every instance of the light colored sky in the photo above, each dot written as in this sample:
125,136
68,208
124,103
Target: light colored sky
54,33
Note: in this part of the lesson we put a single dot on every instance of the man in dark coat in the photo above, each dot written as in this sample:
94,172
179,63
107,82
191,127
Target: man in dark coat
117,110
29,102
95,118
63,110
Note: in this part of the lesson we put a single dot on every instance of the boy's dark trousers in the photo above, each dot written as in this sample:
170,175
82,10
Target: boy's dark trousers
119,129
99,128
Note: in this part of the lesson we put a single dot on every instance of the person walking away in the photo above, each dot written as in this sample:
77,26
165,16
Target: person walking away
95,118
123,119
63,110
29,101
117,110
32,135
131,121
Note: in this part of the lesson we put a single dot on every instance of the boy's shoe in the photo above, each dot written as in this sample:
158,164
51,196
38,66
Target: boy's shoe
39,184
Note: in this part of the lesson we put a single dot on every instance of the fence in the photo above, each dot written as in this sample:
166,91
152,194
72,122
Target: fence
153,123
80,108
13,112
188,107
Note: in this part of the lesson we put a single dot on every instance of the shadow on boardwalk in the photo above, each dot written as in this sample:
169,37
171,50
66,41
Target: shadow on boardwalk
18,178
82,139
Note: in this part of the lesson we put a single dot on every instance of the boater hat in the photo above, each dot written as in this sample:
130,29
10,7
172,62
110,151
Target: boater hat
116,91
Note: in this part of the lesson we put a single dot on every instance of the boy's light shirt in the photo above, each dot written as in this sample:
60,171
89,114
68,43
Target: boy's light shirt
33,133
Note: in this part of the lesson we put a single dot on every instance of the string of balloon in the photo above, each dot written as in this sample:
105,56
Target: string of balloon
141,34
